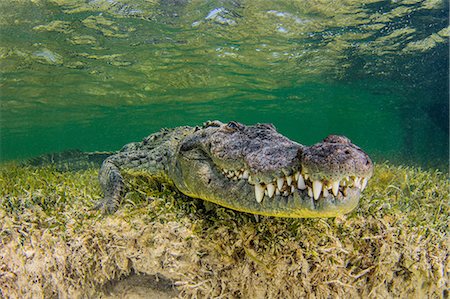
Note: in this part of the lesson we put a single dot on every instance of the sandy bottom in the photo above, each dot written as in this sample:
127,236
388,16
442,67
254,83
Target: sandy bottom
137,286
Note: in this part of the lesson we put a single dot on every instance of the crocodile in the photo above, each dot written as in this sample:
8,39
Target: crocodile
252,169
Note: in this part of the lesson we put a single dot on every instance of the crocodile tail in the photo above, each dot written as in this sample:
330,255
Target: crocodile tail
70,160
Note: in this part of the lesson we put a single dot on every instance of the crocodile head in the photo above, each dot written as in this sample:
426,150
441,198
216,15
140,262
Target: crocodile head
256,169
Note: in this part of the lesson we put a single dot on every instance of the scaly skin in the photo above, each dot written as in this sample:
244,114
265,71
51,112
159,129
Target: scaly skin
251,169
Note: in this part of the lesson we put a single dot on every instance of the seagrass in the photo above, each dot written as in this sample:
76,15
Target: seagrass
395,244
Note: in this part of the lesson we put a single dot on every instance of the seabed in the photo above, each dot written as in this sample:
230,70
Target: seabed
162,243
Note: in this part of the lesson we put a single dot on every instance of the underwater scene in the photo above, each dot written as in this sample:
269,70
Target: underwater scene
95,75
79,79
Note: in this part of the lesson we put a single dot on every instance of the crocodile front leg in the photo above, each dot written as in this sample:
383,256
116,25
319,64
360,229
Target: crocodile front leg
111,182
153,155
133,157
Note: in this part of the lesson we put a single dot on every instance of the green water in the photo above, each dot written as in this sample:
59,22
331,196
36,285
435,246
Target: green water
94,75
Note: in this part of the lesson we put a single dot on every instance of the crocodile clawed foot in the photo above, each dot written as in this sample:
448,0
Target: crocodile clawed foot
106,205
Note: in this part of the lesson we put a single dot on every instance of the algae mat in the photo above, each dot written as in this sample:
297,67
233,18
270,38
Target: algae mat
395,244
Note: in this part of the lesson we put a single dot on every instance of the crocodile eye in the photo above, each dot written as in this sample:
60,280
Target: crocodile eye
232,126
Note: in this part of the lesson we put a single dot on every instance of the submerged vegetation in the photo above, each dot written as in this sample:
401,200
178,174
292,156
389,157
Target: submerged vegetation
395,244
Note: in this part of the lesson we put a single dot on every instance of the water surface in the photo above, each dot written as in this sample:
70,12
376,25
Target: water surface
95,75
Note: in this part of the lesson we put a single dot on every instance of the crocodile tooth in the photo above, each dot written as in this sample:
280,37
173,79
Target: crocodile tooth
270,189
240,176
325,192
293,189
245,175
289,180
358,182
277,191
310,193
317,188
286,193
335,187
296,175
250,179
259,192
280,182
364,184
301,183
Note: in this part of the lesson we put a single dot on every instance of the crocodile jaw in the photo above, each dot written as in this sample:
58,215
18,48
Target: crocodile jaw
296,199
